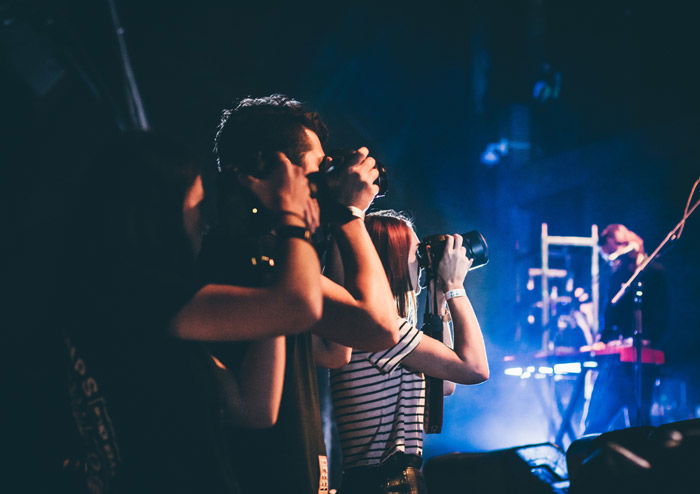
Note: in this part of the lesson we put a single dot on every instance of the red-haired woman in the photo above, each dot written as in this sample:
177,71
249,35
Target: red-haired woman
379,398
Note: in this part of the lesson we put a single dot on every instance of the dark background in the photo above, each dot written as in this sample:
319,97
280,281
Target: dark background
426,88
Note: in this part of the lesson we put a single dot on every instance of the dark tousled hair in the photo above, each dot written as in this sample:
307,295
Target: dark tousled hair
255,128
391,233
246,141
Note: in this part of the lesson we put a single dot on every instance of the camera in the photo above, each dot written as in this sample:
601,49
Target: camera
431,248
324,183
339,159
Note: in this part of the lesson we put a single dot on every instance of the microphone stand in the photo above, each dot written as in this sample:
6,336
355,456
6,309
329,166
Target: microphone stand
638,334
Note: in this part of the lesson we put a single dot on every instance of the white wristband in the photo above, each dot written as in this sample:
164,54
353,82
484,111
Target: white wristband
455,293
357,212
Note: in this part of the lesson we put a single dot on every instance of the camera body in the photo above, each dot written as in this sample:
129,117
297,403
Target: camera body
324,184
431,249
339,159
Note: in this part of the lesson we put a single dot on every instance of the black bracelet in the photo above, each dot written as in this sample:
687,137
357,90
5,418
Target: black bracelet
291,231
291,213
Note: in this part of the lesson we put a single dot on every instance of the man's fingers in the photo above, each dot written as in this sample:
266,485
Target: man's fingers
248,180
458,240
369,163
358,156
362,153
283,159
313,214
373,175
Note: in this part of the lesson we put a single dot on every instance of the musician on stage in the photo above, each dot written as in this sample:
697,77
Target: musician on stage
613,391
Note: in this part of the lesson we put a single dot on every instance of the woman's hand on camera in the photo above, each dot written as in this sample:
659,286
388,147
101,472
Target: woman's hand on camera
454,264
357,187
285,189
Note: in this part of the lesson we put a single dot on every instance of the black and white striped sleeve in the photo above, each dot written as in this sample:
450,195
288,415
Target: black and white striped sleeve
386,361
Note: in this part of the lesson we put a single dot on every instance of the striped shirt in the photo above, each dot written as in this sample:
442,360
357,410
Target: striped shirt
379,403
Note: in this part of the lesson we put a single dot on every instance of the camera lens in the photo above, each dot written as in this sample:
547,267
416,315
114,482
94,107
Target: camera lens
431,249
477,248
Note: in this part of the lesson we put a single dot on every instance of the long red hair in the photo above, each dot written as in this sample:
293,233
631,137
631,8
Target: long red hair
391,233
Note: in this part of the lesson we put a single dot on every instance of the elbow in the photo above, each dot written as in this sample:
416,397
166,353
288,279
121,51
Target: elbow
379,332
307,310
267,419
261,419
387,332
388,338
480,374
473,374
335,357
384,337
341,358
336,362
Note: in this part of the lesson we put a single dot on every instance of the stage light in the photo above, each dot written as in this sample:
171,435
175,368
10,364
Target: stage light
568,368
530,284
494,152
513,371
489,158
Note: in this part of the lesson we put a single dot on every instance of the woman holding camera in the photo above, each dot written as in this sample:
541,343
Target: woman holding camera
379,398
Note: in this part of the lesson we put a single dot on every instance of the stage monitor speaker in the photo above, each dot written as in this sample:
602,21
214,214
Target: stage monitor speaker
532,469
639,460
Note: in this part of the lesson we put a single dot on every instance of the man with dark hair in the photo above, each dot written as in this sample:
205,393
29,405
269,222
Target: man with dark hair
291,456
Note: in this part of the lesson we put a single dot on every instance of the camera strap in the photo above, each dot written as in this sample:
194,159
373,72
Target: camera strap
432,327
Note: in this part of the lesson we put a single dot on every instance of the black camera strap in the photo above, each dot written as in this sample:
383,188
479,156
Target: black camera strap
432,327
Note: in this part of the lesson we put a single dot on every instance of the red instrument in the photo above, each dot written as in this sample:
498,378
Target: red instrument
626,352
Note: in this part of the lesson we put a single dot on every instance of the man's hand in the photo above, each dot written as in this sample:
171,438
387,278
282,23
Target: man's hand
286,189
356,186
312,214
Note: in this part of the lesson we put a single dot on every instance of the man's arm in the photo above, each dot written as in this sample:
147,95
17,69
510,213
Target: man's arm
230,313
362,314
291,305
253,393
